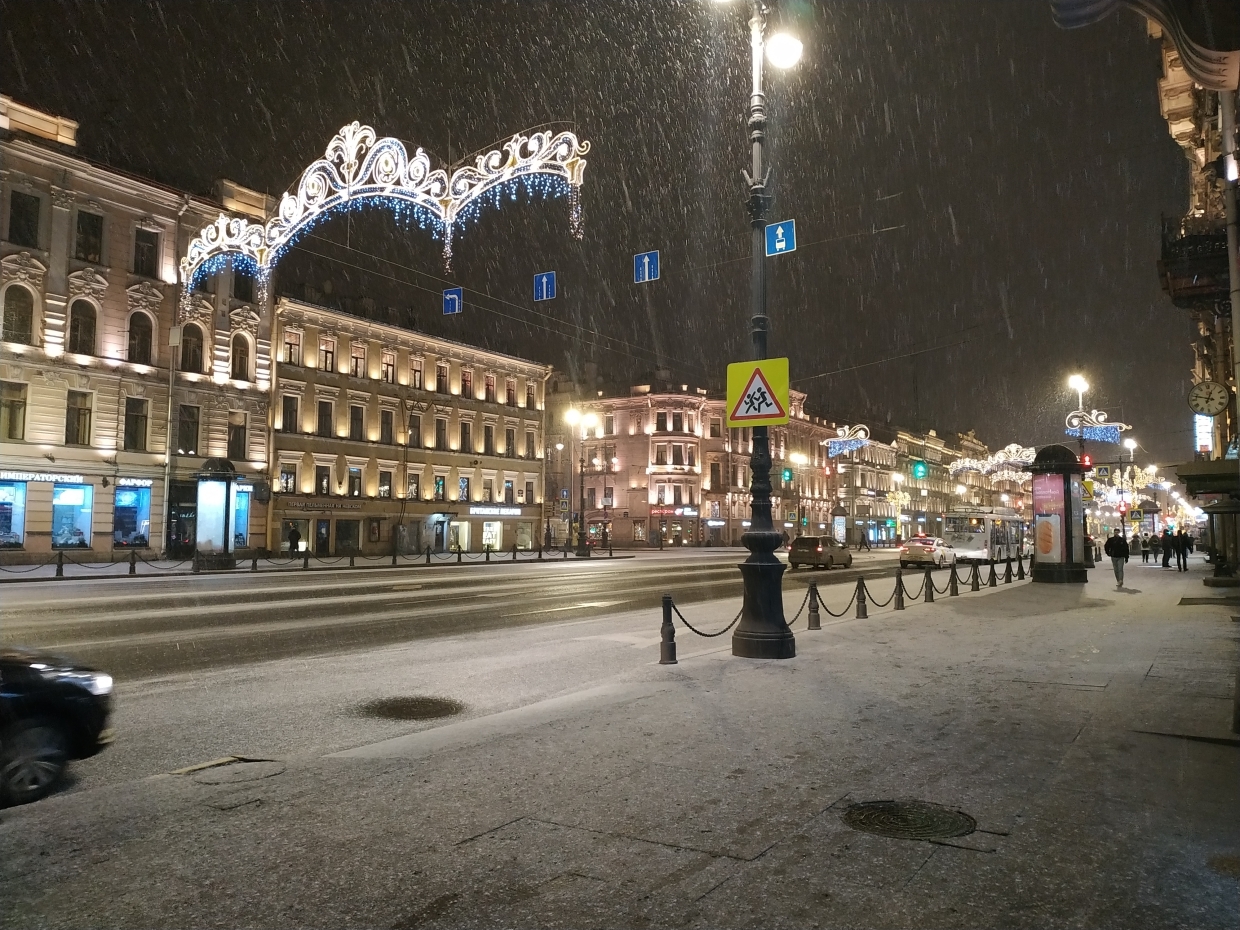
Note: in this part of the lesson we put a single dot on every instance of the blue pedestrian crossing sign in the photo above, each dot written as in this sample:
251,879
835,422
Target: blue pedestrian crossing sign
781,237
453,301
646,267
544,286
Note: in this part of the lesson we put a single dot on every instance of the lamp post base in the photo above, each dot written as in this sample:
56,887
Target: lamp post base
582,552
762,632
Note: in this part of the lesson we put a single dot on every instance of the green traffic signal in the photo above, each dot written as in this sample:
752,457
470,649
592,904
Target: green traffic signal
920,470
787,474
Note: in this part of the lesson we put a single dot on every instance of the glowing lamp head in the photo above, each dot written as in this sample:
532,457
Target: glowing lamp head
572,416
1077,383
1130,444
783,50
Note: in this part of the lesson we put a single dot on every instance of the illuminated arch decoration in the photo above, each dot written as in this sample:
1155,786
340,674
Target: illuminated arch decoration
851,438
966,464
359,168
1094,426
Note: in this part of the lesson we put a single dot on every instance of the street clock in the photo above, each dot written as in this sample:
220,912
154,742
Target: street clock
1208,398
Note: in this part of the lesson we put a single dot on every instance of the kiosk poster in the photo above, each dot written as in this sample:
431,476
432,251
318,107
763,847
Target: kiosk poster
1078,527
1048,507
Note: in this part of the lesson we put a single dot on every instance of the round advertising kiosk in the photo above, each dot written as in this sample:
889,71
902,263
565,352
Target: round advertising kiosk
1058,533
217,507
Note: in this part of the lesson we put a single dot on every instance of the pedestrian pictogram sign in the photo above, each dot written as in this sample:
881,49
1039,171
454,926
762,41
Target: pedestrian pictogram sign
758,392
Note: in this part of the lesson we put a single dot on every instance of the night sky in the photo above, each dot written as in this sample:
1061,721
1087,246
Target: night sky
965,177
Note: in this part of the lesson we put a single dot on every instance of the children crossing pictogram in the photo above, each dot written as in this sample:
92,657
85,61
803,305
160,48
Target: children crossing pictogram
758,393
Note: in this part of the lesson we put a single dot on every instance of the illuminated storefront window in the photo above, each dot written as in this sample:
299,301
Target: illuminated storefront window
72,505
131,517
492,534
12,514
241,519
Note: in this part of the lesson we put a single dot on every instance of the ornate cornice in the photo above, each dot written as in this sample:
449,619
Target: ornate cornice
22,267
145,296
87,283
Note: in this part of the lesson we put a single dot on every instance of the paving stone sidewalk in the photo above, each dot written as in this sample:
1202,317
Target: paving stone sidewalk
1086,730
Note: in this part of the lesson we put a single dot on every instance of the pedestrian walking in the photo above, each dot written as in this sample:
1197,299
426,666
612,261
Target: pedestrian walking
1117,549
1155,547
1181,551
1134,545
294,542
1168,547
1145,547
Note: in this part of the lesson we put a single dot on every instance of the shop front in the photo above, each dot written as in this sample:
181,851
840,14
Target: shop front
675,526
498,528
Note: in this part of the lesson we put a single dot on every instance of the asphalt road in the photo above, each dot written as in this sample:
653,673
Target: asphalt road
149,626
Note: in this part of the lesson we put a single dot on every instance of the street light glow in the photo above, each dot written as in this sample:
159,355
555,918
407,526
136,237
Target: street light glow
572,416
798,458
783,50
1130,444
1078,384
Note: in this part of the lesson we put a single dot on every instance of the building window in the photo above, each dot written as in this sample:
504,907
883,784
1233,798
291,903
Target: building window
510,392
508,492
678,454
357,423
691,456
135,424
140,339
529,443
716,427
529,492
689,421
660,453
678,422
327,353
187,430
488,439
462,493
322,479
240,358
326,415
661,497
441,433
387,427
292,347
243,286
529,396
590,501
191,348
415,431
355,482
357,360
677,495
488,490
24,219
467,439
716,479
288,414
72,507
237,446
77,419
490,389
415,372
510,442
387,371
413,487
660,422
145,253
609,425
88,244
385,484
440,487
467,383
18,315
639,531
608,496
288,479
81,339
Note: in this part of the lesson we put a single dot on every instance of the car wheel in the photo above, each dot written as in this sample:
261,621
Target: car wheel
942,561
33,756
830,564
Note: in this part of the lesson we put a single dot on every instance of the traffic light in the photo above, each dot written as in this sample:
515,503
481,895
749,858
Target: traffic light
787,474
920,470
1087,462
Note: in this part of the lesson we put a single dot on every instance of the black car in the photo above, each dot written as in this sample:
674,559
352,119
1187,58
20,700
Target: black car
51,711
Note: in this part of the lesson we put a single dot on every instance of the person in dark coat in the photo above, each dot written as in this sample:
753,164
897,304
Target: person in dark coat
1117,549
1168,547
1145,547
1156,546
1181,551
294,540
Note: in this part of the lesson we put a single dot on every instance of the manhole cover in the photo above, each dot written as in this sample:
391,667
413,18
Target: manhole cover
411,708
908,820
239,771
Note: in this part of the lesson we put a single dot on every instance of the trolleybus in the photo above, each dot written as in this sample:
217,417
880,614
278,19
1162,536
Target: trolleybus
984,534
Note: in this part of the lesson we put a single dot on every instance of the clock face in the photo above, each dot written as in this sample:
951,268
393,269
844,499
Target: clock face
1208,398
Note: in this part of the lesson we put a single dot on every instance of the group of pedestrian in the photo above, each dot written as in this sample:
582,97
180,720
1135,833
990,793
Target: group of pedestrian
1168,545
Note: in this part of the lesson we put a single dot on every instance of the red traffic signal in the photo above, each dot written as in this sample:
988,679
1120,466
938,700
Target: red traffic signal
1087,462
1123,507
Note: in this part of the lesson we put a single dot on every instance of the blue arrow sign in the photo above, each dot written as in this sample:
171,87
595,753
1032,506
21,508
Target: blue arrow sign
646,267
544,286
781,238
453,301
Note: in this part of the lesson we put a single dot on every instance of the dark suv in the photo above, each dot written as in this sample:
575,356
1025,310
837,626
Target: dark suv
825,551
51,711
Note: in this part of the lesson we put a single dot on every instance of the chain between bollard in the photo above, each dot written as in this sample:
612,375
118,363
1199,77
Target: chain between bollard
873,599
669,601
800,609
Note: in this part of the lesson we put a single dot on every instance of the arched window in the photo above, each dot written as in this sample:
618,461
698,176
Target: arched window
191,348
139,339
81,328
240,358
18,315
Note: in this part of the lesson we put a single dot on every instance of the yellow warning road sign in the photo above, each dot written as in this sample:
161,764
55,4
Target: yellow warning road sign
758,393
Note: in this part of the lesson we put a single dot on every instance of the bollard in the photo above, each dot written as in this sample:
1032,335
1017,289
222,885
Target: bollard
975,584
133,563
898,597
197,566
428,555
60,565
352,564
540,553
953,583
992,579
610,554
1007,571
566,553
1020,568
458,555
514,552
667,634
393,558
487,553
929,587
254,564
862,613
815,619
305,560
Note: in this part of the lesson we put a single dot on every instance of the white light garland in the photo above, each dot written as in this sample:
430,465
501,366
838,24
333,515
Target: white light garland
359,168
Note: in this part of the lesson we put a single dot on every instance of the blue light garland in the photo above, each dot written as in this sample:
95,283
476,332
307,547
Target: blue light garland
838,447
1108,434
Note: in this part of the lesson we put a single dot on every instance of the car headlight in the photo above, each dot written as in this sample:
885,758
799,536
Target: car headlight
97,683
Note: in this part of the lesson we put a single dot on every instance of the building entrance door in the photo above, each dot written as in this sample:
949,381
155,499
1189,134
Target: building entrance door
322,531
182,520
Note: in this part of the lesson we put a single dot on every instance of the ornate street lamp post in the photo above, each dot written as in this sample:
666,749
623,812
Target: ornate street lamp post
762,632
586,420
